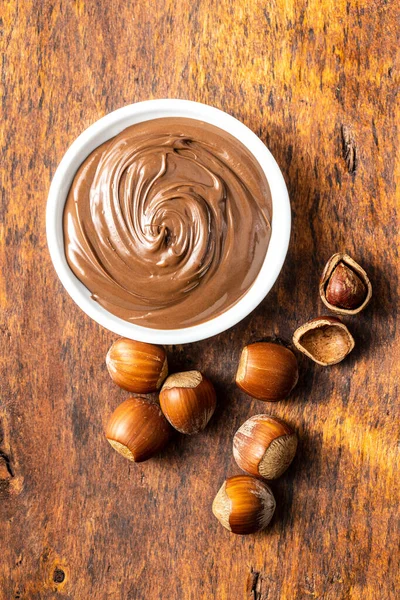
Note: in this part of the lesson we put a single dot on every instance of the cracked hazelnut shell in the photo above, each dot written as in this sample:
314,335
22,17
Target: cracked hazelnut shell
264,446
326,340
344,286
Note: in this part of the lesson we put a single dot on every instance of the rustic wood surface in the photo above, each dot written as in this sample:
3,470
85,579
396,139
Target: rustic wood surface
319,82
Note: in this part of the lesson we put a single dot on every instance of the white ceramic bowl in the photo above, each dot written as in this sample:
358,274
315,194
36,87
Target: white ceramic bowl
106,128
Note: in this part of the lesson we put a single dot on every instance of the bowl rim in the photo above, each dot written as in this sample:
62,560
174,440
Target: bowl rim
107,127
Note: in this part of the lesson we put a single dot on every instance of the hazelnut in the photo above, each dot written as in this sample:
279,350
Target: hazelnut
264,446
136,366
344,287
267,371
244,504
137,429
326,340
188,401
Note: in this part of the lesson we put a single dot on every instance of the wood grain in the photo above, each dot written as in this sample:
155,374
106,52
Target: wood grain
319,82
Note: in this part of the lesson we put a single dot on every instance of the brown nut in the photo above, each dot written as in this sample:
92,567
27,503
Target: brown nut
326,340
267,371
138,430
136,366
188,401
344,287
244,504
264,446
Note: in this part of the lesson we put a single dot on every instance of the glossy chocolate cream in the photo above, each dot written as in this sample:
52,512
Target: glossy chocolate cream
168,223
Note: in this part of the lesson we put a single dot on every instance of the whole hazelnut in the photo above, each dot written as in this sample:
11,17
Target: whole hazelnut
244,504
264,446
188,401
344,287
267,371
136,366
138,430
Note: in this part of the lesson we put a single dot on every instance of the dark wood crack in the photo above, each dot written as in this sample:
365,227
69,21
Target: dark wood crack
252,584
6,470
349,149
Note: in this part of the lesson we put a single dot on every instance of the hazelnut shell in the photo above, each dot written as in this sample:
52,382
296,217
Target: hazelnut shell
138,430
188,401
267,371
244,504
137,366
326,340
264,446
344,286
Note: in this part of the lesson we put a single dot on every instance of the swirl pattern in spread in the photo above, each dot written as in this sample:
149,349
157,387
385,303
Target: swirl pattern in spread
168,223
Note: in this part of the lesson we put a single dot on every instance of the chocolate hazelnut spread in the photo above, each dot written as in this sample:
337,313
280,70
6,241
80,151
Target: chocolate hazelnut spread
168,223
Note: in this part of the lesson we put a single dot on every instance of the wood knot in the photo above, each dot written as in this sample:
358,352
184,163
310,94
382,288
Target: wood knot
54,571
58,575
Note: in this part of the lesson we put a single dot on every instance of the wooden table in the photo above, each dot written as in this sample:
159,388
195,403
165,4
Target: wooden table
319,82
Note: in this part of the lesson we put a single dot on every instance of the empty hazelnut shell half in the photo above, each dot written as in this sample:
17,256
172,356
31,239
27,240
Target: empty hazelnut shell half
326,340
344,287
244,504
264,446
